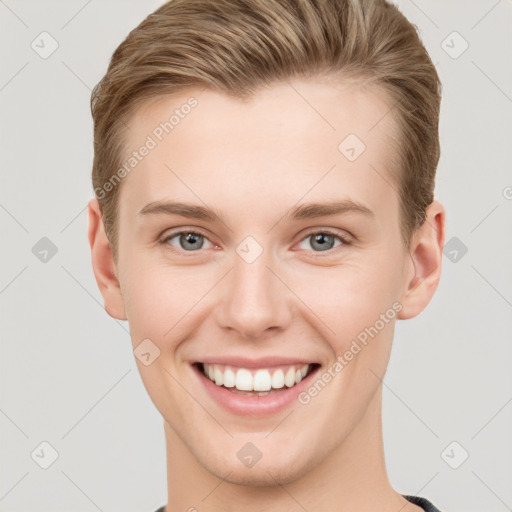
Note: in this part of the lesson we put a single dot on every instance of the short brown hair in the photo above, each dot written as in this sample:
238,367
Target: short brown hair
237,46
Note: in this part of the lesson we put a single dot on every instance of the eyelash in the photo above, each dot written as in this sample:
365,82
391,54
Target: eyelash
344,239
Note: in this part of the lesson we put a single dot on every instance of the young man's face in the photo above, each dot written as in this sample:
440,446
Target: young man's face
259,283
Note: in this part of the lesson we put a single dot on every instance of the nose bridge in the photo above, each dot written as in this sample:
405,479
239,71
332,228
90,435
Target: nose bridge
254,299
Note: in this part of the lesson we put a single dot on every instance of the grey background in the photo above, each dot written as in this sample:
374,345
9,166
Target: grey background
68,374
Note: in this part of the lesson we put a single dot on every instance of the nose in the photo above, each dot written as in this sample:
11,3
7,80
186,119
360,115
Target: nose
254,302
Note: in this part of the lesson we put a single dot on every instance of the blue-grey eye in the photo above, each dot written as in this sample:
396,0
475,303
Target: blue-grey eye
188,240
322,241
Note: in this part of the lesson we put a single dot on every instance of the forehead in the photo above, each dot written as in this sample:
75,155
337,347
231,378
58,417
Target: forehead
323,140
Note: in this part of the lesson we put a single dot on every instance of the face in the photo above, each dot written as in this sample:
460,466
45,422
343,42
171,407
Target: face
267,282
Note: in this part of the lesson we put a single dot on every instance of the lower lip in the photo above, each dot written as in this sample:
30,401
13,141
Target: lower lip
246,405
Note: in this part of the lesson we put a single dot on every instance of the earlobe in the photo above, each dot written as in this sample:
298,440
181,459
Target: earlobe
103,264
426,257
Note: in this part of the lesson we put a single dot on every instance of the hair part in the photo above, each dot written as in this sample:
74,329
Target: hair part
237,47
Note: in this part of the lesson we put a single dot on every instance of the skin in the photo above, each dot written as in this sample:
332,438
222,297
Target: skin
253,161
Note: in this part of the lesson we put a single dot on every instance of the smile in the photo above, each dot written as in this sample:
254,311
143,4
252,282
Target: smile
254,391
255,381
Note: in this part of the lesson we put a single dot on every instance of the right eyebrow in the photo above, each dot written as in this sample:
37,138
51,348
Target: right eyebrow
190,211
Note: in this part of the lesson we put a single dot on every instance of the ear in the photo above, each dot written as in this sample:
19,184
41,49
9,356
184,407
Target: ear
103,265
425,270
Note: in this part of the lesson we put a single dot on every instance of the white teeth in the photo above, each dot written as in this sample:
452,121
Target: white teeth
278,379
243,380
229,378
260,380
219,377
289,378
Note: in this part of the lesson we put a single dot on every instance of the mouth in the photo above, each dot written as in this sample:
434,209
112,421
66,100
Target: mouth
255,391
256,381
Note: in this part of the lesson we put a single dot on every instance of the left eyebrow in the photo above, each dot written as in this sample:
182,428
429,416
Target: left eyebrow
313,210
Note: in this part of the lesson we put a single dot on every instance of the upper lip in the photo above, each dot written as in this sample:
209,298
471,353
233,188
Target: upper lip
262,362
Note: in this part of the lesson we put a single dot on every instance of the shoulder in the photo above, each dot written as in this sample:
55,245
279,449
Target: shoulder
426,505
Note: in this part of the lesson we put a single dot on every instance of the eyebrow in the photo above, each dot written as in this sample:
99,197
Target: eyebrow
301,212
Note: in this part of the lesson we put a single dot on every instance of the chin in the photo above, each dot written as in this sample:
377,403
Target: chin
262,474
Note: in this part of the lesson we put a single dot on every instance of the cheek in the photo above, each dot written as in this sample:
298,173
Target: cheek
160,299
350,297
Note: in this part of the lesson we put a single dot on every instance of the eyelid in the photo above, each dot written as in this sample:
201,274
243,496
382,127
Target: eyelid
183,230
344,236
345,239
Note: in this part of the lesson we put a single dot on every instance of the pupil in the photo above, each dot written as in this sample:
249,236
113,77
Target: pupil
321,240
191,238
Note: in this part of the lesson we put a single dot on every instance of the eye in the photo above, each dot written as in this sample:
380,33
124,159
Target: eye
324,240
188,241
192,241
